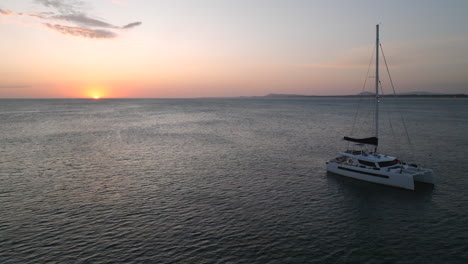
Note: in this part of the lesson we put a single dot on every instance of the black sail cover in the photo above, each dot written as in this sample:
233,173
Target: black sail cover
369,141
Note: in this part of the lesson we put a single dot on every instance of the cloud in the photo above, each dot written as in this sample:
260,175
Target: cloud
6,12
63,6
14,86
81,32
83,20
72,20
132,25
40,16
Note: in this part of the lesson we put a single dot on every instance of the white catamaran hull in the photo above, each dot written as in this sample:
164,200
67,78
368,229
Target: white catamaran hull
404,179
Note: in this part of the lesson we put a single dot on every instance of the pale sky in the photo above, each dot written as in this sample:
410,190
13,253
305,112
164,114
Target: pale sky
217,48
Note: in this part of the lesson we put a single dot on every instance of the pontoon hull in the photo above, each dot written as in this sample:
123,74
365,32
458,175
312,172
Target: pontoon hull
400,180
426,177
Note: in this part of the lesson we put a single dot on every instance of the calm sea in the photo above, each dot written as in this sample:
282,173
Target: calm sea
224,181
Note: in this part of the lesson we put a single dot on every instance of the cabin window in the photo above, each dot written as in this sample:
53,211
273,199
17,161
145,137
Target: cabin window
388,163
367,163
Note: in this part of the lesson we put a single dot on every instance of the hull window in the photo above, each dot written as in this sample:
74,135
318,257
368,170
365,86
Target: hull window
388,163
367,163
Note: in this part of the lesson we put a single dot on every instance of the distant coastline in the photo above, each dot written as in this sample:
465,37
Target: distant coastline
270,96
368,94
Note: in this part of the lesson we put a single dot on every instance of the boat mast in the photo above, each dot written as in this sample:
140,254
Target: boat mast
377,84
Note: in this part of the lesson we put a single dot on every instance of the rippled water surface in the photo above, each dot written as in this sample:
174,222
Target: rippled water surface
223,181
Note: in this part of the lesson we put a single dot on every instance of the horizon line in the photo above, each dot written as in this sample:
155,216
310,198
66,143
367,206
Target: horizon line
268,96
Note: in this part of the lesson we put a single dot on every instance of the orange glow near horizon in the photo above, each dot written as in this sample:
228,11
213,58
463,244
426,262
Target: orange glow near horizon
95,92
190,51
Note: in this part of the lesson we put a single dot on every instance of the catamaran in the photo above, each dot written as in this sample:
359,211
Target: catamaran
364,163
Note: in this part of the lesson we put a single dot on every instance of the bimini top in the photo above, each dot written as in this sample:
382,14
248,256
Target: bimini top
368,141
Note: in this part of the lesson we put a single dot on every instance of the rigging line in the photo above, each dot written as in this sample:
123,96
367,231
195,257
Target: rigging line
393,87
388,116
362,90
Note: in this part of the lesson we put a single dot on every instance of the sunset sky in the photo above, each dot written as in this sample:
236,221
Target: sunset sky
217,48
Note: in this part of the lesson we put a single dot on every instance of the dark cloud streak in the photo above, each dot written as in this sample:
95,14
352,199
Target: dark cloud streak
82,32
78,22
83,20
63,6
132,25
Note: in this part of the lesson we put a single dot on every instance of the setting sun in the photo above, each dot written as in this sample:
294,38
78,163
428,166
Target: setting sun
94,91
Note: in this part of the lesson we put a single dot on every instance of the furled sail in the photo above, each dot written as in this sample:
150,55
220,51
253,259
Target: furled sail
369,141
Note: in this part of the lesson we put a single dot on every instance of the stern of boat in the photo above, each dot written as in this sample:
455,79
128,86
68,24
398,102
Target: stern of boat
425,175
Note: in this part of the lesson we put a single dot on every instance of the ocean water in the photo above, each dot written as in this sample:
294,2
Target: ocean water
224,181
